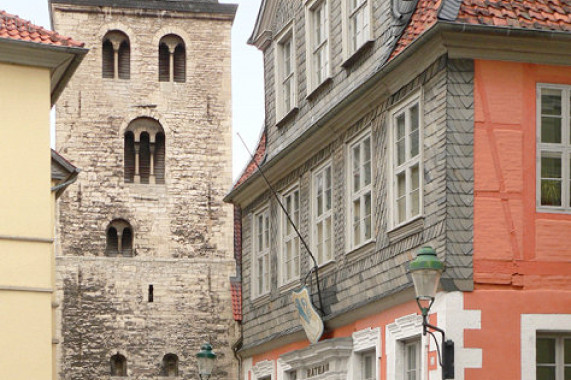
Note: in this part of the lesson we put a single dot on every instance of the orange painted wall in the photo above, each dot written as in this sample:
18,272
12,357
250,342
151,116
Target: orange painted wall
522,258
380,320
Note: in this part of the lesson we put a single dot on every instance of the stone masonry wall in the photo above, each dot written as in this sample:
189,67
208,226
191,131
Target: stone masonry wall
182,229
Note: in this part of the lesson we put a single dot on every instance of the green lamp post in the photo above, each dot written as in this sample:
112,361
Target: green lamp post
426,270
206,359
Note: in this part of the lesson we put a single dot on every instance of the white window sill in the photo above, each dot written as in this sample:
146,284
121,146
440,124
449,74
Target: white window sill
553,210
285,118
354,56
317,89
362,248
260,299
406,222
290,285
406,229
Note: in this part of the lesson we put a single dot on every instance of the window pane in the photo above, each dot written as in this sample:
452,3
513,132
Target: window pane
550,165
320,242
567,354
356,222
367,216
545,350
550,130
414,135
550,101
545,373
356,167
366,162
401,184
327,239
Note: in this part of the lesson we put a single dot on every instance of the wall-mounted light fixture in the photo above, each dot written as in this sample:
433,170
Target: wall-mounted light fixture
426,270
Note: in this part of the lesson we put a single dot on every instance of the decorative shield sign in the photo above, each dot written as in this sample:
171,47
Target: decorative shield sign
308,316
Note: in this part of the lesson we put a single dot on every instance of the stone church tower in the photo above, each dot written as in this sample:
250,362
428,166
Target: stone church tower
144,247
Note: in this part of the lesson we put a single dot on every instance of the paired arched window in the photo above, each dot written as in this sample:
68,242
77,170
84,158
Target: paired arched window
169,366
118,365
172,59
116,55
119,238
145,152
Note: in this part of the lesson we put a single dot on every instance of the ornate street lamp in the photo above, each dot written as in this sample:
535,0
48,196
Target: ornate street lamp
206,359
426,270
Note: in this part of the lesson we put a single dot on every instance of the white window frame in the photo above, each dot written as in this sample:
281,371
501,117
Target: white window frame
403,107
361,193
564,149
263,370
314,47
559,364
263,253
538,324
292,236
365,342
349,14
397,334
321,219
286,35
414,342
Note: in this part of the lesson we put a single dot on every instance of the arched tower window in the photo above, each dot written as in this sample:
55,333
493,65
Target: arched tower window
119,238
172,59
145,152
118,365
169,367
116,55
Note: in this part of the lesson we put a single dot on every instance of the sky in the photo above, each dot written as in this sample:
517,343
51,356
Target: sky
247,72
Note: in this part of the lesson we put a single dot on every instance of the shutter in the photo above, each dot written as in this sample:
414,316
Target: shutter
124,60
107,60
180,63
160,159
129,158
164,66
144,158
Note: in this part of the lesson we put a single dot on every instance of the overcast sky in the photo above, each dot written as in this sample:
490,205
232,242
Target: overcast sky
247,72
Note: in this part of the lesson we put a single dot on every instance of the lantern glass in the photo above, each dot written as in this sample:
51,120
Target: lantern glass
426,282
205,366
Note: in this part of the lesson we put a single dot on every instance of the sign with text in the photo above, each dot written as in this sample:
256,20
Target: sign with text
308,316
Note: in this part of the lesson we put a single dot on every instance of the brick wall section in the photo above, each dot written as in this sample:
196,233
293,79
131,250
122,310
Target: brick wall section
182,230
378,269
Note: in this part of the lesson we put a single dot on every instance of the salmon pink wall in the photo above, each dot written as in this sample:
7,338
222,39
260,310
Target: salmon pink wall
522,258
513,244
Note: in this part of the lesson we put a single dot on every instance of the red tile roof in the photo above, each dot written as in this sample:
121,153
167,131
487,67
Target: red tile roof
524,14
253,165
14,28
422,19
236,290
517,14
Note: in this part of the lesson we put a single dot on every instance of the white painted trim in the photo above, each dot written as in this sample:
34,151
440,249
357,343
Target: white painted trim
246,368
349,190
347,52
403,328
416,97
282,222
564,148
312,206
287,32
263,369
253,290
364,341
530,325
282,369
310,5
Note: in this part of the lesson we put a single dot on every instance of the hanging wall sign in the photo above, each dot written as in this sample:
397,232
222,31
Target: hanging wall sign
308,316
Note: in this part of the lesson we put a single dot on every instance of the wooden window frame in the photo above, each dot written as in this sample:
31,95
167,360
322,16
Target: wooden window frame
292,237
261,253
327,214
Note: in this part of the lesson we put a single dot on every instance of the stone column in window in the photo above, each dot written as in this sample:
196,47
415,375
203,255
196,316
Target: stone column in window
152,144
171,45
116,44
137,150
